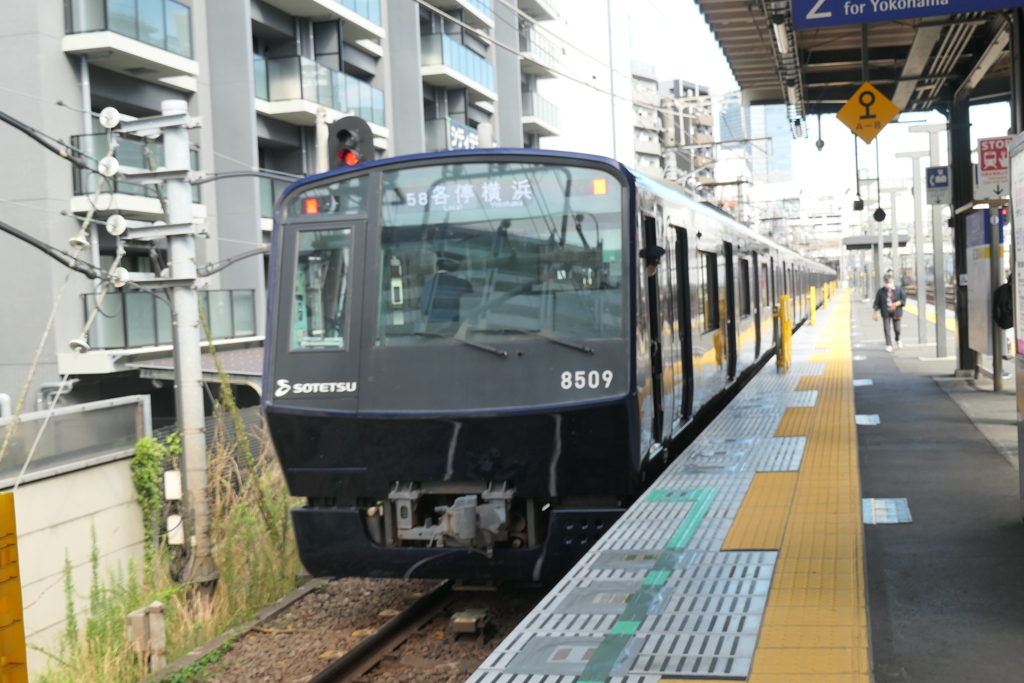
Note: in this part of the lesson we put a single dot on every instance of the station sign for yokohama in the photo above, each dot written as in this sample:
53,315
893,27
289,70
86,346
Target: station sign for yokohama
821,13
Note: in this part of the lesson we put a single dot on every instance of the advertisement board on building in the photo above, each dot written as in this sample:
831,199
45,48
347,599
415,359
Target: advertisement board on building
461,136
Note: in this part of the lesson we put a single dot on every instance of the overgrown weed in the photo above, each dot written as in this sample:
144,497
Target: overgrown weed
252,545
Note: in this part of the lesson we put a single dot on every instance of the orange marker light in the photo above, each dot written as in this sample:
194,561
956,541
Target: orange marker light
600,186
311,205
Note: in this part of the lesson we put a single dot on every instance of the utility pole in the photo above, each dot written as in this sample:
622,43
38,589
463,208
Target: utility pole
895,251
611,84
174,122
938,258
919,274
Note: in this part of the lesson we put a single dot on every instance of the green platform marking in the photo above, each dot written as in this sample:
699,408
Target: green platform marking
625,627
657,578
671,495
600,666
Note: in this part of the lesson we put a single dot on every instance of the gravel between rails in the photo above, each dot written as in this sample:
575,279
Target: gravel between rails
324,625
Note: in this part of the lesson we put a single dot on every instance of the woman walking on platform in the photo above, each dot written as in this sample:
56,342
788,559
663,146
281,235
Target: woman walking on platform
890,300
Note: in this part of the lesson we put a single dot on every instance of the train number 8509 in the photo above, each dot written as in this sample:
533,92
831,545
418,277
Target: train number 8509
581,379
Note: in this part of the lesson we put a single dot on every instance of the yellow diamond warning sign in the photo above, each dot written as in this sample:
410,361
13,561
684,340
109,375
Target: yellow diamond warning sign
868,112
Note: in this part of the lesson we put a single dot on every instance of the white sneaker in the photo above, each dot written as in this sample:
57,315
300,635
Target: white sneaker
899,345
889,349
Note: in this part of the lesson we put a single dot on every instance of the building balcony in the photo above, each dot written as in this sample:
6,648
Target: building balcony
147,39
540,117
132,200
475,12
539,54
541,10
291,89
449,64
704,120
362,20
644,145
703,139
138,320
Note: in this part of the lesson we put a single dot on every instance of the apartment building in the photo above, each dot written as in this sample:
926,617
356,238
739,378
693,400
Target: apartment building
673,130
258,73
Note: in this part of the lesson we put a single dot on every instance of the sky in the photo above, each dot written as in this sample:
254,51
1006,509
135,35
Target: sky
691,53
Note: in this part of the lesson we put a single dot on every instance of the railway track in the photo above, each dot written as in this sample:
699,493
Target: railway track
443,636
387,638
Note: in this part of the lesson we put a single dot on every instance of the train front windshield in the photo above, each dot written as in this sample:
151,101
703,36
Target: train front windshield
509,250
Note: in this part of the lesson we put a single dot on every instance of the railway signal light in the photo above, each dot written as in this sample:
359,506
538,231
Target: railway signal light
350,142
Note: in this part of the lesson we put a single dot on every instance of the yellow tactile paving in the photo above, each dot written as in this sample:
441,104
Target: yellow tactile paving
808,383
795,422
815,624
761,519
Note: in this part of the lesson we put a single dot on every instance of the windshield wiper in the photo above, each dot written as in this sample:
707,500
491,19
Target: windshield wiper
482,347
538,335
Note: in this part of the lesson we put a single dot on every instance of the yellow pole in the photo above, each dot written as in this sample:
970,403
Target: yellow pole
814,306
12,628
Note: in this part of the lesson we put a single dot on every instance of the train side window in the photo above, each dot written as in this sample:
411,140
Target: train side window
744,287
764,285
321,289
709,290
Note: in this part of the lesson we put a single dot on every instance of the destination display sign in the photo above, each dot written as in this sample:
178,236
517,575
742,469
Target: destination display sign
821,13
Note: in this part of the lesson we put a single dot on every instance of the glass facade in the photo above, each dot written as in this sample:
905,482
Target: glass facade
535,105
368,9
165,24
132,153
300,78
441,48
762,121
132,319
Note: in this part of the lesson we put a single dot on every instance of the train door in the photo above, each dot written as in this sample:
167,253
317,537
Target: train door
756,263
730,308
650,228
685,329
671,380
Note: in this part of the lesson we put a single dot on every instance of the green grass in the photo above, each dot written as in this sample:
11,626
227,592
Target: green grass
254,550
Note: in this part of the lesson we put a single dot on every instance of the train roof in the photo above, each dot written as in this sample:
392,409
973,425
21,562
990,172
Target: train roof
646,182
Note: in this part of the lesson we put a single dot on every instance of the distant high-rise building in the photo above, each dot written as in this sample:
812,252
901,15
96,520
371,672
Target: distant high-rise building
766,163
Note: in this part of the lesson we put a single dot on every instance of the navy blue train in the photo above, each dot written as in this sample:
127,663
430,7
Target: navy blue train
477,360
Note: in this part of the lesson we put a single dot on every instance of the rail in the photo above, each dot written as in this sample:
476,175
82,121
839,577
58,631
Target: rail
396,631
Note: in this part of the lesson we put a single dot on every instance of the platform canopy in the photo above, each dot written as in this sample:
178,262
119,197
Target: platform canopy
919,63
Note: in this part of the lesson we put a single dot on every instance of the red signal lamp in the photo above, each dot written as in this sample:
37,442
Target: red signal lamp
348,157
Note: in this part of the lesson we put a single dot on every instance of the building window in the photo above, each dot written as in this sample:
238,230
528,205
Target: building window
708,290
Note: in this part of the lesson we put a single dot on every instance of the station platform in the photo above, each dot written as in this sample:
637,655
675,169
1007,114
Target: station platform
758,557
744,560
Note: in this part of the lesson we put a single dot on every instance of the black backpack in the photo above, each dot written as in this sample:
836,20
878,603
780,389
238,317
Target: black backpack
1002,306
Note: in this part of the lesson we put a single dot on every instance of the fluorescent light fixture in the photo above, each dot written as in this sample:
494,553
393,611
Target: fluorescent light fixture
792,94
799,128
981,206
783,38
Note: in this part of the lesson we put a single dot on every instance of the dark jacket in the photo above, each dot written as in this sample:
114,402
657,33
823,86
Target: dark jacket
897,295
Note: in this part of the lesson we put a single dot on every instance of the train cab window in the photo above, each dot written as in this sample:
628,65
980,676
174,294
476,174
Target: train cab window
709,290
485,252
343,198
744,275
321,289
